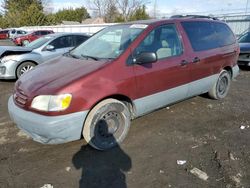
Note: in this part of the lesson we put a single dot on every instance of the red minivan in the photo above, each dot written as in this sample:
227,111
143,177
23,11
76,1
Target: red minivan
123,72
31,36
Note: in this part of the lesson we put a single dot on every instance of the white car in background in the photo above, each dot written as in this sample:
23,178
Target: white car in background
16,32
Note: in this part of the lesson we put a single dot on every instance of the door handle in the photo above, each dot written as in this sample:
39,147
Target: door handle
183,63
196,60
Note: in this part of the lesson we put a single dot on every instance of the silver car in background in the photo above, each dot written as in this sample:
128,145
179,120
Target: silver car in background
15,61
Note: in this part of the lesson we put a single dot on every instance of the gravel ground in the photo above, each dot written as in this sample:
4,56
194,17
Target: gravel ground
210,135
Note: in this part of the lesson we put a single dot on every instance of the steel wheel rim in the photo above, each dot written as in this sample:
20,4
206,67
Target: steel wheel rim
109,124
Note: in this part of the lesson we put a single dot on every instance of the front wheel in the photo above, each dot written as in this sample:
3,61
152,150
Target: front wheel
24,68
107,124
25,42
221,87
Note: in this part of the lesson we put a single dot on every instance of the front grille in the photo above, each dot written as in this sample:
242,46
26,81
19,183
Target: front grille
20,98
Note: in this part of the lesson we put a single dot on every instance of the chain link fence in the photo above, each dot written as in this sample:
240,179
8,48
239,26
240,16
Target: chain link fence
238,23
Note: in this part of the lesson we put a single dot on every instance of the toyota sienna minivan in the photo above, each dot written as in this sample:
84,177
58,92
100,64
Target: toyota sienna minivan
123,72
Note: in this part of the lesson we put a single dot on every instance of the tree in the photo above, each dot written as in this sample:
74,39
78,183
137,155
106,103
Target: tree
21,12
3,22
33,16
21,5
99,5
78,15
128,7
112,13
139,14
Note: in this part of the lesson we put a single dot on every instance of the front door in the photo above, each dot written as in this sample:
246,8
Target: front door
61,45
165,81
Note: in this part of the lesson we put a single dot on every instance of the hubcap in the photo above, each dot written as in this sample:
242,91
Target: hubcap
109,124
26,69
222,86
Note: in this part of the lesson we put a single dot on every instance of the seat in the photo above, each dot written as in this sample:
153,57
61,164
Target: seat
164,51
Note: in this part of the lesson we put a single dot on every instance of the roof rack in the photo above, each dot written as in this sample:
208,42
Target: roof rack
193,16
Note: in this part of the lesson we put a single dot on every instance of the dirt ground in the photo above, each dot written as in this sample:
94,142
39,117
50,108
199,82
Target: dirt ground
210,135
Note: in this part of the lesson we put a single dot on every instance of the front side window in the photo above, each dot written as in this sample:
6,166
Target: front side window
109,43
37,33
245,38
44,32
79,39
163,41
62,42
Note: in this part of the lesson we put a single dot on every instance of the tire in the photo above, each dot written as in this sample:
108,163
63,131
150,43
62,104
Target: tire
25,42
24,68
107,124
221,87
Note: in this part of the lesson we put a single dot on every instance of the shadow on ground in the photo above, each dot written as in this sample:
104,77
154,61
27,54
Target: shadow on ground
102,169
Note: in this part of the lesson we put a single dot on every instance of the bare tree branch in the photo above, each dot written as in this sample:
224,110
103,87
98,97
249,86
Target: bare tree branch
127,7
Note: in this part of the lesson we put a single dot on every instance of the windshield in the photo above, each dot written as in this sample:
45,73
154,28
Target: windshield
108,43
245,38
39,42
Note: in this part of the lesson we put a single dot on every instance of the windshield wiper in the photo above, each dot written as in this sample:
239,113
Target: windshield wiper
72,55
90,57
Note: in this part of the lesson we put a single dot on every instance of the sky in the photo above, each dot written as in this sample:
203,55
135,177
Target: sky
170,7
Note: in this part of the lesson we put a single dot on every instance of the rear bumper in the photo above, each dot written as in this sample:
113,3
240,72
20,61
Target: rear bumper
236,71
48,129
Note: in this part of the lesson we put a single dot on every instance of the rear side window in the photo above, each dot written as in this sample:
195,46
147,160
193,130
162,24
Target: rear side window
208,35
224,34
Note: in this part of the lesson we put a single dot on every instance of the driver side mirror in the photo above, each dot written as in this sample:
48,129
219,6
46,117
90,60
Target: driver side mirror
145,58
50,48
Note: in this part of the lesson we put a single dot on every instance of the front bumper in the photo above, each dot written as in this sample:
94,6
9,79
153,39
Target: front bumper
48,129
8,70
244,60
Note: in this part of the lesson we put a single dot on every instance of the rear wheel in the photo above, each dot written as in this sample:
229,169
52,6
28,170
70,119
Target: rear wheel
24,68
107,124
221,87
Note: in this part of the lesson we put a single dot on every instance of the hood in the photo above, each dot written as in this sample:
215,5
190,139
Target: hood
244,47
13,50
54,75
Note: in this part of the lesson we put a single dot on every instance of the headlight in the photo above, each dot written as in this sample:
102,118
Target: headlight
51,103
2,70
10,58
